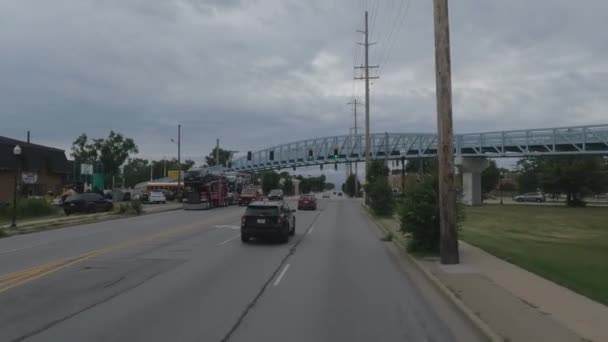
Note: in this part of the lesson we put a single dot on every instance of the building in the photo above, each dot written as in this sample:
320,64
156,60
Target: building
42,169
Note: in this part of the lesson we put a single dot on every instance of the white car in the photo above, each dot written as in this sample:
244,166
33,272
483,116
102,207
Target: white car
157,197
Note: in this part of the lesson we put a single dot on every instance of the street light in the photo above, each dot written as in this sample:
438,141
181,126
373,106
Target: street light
17,154
402,154
502,175
179,161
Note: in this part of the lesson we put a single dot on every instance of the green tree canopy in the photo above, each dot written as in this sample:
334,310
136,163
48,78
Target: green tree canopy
349,186
490,177
112,152
270,180
573,175
136,170
224,157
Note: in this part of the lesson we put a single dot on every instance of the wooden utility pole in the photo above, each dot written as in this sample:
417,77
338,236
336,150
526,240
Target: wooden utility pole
355,103
448,247
366,67
179,159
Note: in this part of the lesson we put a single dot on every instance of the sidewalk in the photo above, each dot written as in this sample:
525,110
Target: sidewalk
516,304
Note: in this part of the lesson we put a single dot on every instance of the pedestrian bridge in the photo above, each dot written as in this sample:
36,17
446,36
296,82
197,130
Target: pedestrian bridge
351,148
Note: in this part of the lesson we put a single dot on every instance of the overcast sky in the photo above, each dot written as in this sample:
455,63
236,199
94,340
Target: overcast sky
256,73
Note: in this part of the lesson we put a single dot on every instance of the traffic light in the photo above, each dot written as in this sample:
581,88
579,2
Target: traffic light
310,156
335,153
248,155
336,166
271,155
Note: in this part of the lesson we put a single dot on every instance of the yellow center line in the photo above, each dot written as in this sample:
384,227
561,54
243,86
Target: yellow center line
11,280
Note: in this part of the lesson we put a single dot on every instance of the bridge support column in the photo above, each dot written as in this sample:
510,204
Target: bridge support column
471,178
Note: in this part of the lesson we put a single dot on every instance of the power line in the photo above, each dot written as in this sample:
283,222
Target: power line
400,27
374,14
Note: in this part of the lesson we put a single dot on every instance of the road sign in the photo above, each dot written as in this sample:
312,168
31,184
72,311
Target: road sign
86,169
29,177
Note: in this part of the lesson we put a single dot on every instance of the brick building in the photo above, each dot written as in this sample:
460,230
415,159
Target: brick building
47,168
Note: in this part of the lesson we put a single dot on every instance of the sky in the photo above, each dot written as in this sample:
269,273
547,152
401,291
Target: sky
258,73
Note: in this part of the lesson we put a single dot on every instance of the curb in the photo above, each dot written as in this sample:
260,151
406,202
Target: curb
73,221
477,322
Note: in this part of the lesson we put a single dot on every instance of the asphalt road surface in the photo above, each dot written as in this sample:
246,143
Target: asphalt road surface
186,276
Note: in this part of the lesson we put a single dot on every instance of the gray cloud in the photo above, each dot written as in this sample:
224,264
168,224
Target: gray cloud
261,72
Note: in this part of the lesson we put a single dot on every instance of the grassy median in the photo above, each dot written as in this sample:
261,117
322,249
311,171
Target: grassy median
566,245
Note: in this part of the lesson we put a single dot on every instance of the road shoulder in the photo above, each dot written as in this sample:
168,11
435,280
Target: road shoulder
485,299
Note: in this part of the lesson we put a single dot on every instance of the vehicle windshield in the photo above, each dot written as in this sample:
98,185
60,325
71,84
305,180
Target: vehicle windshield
262,211
276,192
249,191
307,197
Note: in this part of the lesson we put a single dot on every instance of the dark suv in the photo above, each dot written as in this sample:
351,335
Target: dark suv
86,203
275,195
268,219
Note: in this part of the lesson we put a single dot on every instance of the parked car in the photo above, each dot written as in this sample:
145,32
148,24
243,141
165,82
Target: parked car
156,197
275,195
530,197
169,195
339,193
86,203
268,219
307,202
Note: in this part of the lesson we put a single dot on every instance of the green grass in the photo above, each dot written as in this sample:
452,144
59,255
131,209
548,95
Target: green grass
568,246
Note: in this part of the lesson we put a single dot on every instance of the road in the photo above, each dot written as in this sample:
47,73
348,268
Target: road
186,276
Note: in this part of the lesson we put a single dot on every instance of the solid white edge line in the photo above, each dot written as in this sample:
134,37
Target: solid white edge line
311,229
226,241
278,280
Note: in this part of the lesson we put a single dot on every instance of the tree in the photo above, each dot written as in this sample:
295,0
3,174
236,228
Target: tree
224,157
382,201
376,169
420,215
428,165
349,186
288,187
574,175
380,194
490,177
136,170
112,152
270,180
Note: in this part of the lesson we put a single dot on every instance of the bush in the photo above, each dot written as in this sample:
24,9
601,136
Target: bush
420,215
130,208
381,196
136,206
29,207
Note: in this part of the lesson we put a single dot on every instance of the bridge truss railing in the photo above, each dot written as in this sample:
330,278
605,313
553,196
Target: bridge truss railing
350,148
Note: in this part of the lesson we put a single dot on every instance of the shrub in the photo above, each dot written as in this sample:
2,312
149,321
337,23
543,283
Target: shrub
137,207
381,196
122,208
420,215
29,207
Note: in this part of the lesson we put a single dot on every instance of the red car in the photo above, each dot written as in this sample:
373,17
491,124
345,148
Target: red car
307,202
